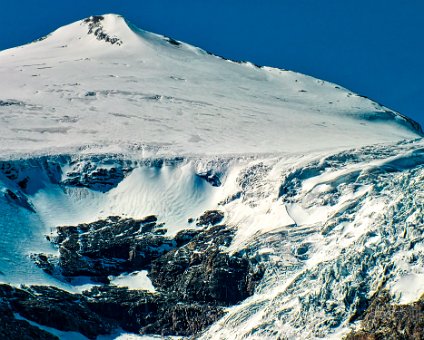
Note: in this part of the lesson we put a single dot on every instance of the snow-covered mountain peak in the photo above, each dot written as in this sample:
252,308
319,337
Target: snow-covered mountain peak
97,33
103,84
110,28
107,28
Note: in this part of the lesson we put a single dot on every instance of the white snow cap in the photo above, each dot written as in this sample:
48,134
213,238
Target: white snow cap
104,85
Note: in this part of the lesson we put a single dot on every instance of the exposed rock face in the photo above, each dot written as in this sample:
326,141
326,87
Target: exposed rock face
194,277
211,177
95,27
97,173
25,179
191,267
8,170
98,312
102,175
209,218
201,271
12,328
11,102
54,308
106,247
384,320
184,319
146,313
18,199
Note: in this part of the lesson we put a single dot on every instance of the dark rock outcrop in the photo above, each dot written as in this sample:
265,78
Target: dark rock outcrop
55,308
106,247
18,199
11,102
183,319
98,312
101,176
95,27
12,328
194,277
211,177
146,313
201,271
9,170
210,218
172,41
384,320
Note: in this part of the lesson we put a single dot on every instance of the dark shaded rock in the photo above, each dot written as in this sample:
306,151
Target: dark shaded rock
183,319
23,183
149,219
231,198
19,199
12,328
210,217
146,313
185,236
55,308
192,266
148,228
106,247
11,102
95,27
194,276
95,19
161,231
200,271
173,41
211,177
132,309
98,312
384,320
47,262
96,176
9,170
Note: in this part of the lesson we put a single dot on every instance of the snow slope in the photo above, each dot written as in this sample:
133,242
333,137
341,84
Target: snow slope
325,187
150,93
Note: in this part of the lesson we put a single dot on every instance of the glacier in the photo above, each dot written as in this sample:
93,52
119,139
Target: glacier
324,187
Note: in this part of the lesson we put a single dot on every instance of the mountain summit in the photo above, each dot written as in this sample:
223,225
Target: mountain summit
102,83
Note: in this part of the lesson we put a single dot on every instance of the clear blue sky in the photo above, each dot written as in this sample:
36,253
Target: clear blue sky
373,47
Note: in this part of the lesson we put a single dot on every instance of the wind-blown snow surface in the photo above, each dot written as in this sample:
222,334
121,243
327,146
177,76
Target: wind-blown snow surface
152,93
325,187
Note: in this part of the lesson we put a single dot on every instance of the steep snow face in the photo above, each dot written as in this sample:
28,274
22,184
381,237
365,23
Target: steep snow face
104,85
